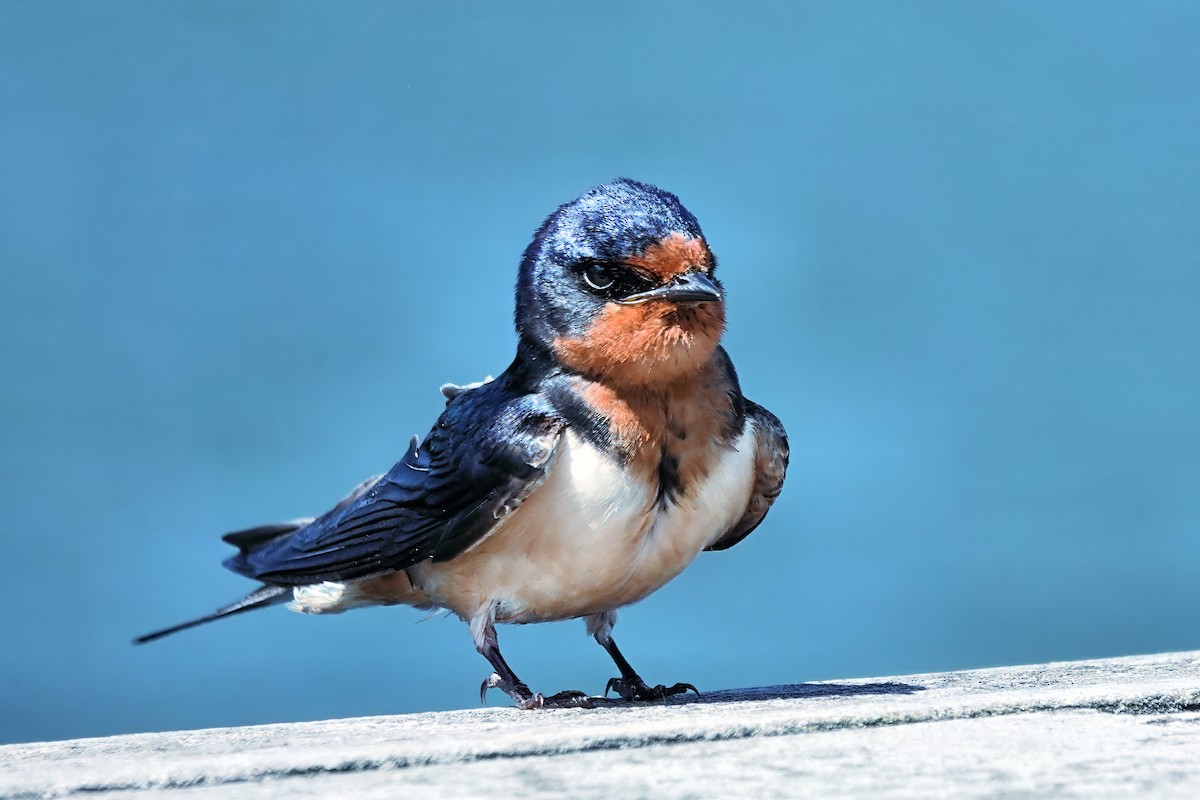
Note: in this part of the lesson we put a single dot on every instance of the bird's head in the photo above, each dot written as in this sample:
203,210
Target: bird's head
618,285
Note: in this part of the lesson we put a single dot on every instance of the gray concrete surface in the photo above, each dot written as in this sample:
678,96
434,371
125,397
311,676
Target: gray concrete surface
1127,727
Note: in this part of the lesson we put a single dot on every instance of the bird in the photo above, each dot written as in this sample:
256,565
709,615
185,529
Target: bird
614,449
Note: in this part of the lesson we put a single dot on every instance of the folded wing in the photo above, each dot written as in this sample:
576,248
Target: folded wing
487,453
770,464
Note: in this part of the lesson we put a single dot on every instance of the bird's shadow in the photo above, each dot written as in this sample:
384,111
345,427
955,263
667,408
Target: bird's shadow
794,691
791,691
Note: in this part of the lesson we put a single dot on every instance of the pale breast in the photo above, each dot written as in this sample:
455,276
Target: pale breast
592,538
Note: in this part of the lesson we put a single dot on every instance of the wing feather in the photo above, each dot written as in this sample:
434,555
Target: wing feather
770,465
489,450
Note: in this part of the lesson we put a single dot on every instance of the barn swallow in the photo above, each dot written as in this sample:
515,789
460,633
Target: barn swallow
614,449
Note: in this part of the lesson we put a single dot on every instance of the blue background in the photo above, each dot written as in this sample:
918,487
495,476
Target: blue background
243,243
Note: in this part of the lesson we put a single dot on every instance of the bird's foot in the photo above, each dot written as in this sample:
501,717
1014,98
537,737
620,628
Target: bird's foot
638,689
525,699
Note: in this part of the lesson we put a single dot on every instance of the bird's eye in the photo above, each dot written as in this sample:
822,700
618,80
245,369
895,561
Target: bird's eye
598,276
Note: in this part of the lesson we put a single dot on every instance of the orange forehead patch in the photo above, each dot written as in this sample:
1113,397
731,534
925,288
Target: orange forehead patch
671,256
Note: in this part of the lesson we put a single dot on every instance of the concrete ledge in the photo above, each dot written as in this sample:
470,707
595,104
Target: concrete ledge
1117,727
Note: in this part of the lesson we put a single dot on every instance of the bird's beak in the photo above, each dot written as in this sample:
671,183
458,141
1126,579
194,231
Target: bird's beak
690,287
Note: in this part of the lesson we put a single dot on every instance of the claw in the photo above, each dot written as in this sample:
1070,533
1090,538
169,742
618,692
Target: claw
527,701
519,692
534,701
493,681
637,689
568,699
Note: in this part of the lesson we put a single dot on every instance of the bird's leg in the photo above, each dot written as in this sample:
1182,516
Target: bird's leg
630,685
488,645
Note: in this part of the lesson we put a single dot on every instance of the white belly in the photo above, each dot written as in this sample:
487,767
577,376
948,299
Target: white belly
591,538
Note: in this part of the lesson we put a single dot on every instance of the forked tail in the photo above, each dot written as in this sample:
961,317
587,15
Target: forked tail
261,597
